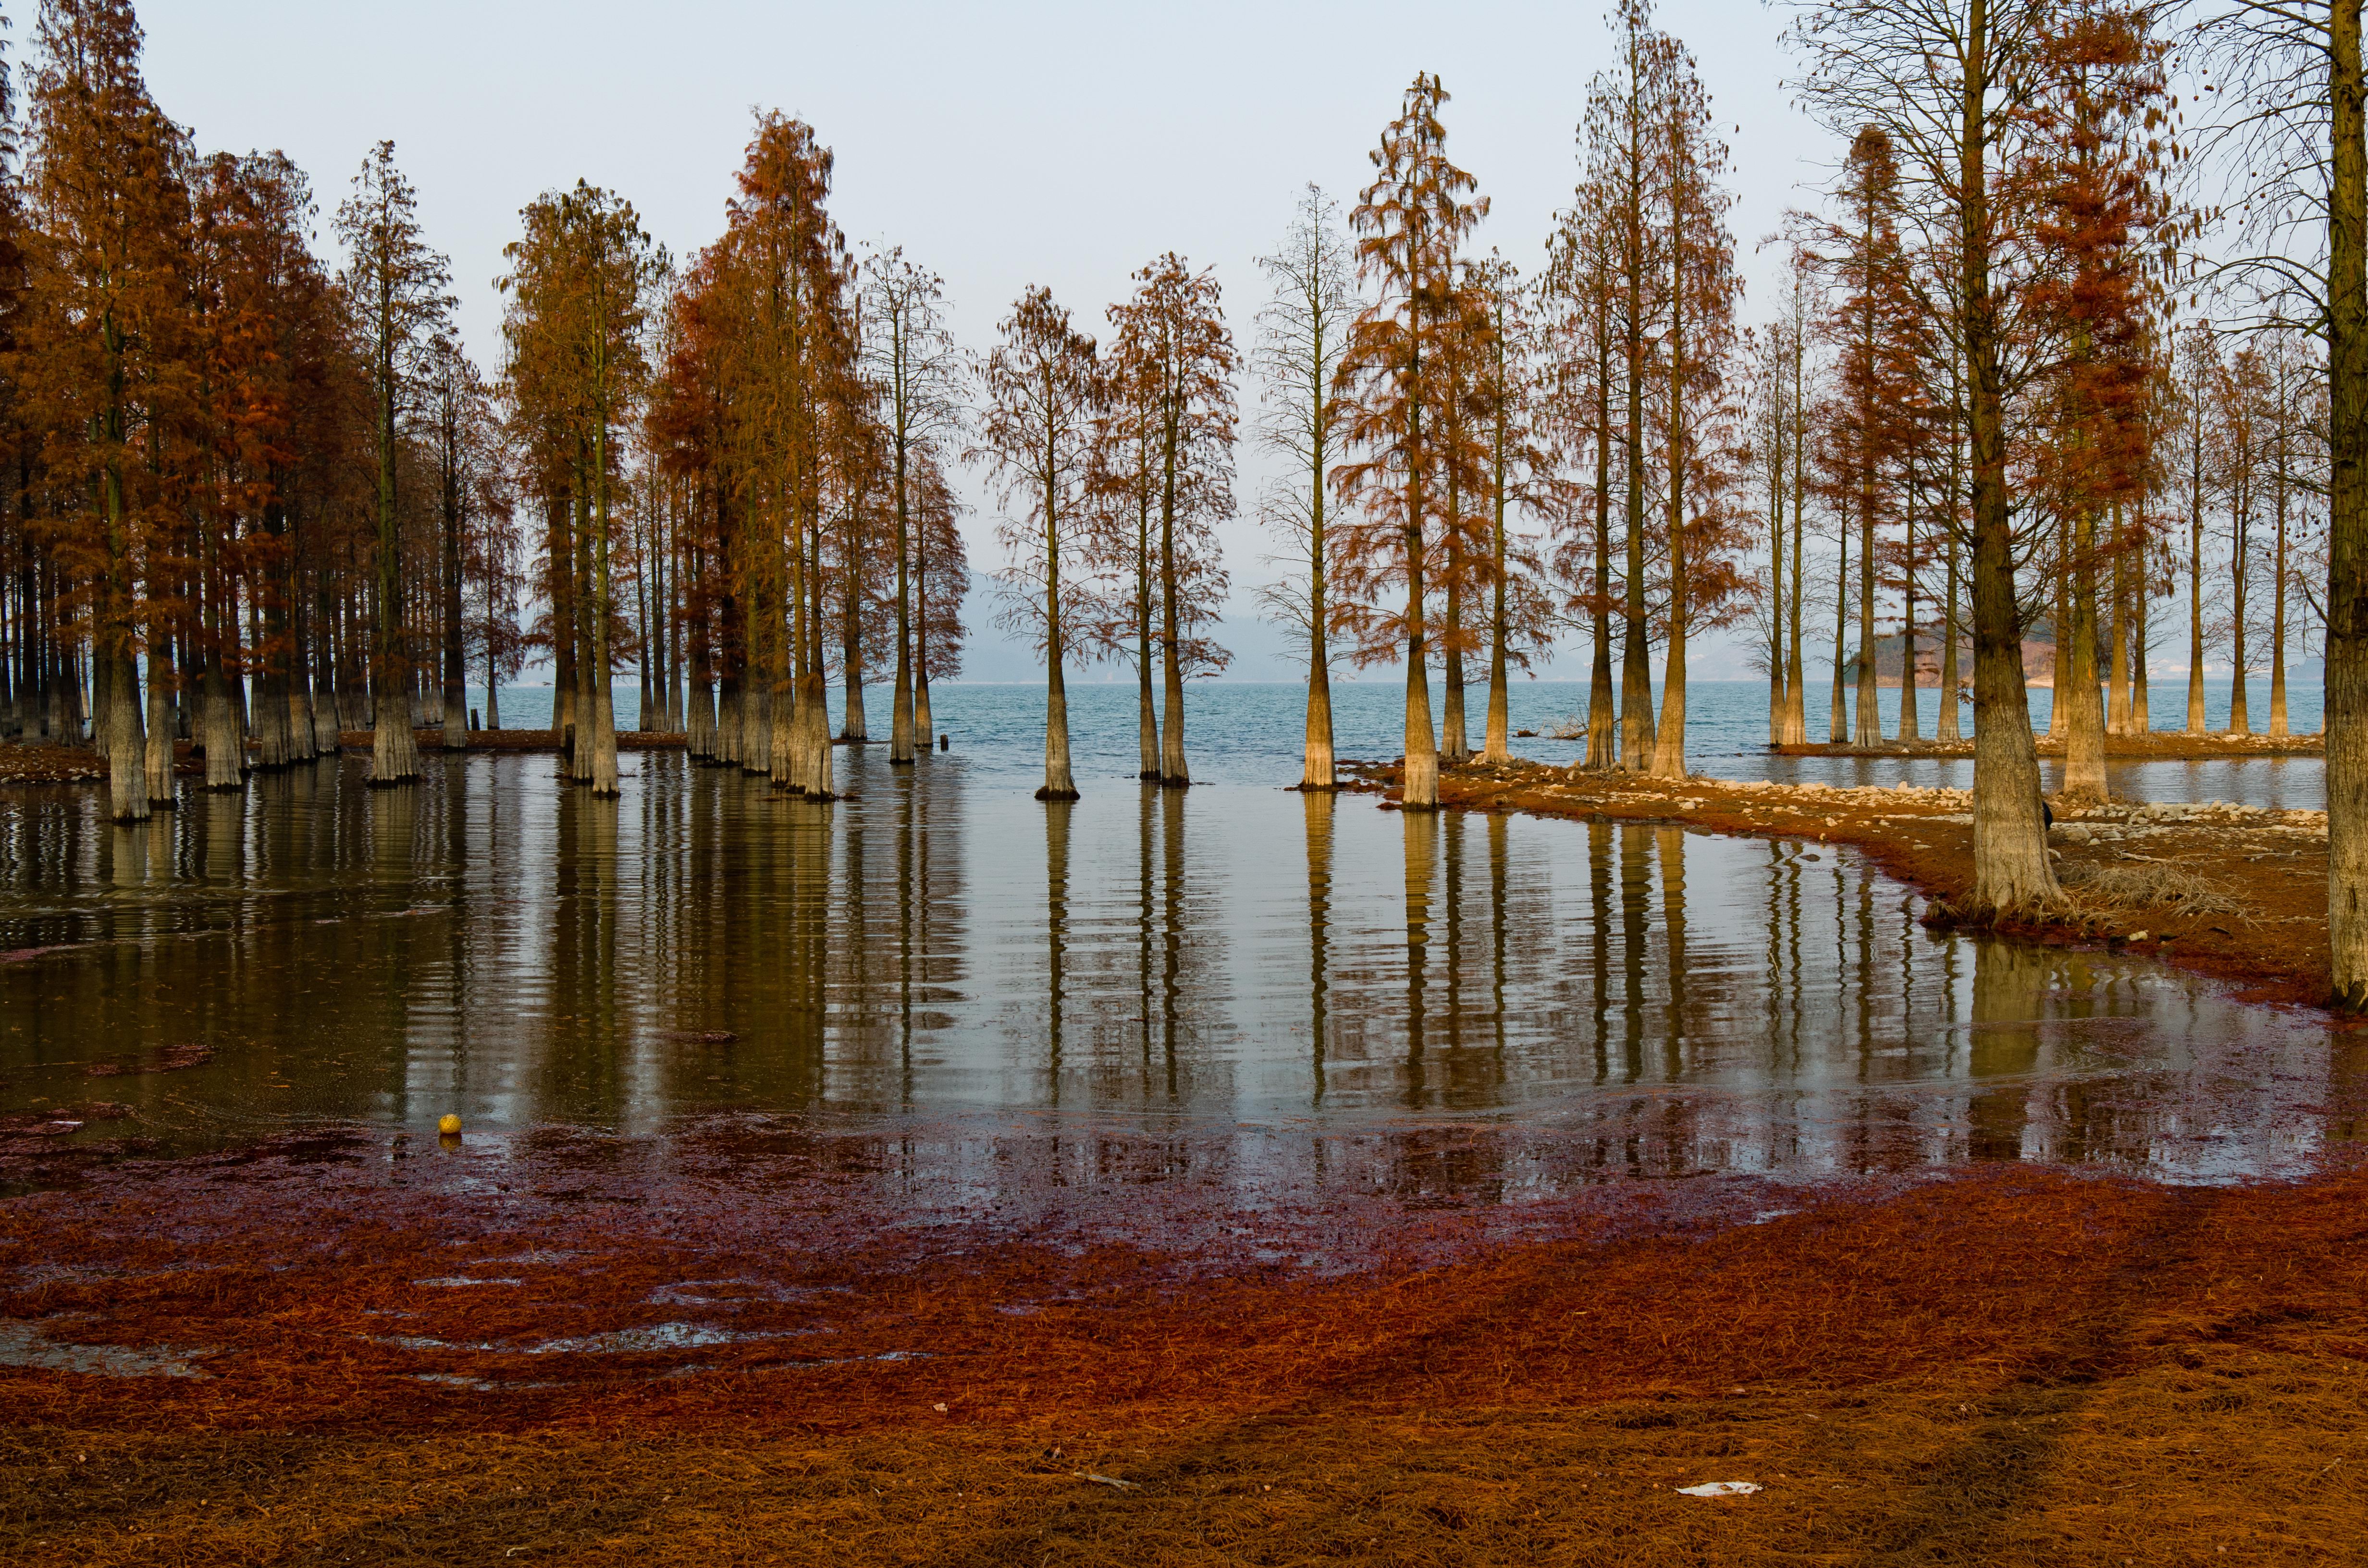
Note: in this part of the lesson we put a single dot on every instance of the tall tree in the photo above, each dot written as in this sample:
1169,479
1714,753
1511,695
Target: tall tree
1518,481
1871,323
1410,222
1622,142
453,401
98,362
395,286
2296,108
1697,438
1942,79
910,353
2099,97
1585,381
1043,390
1303,333
1171,371
574,329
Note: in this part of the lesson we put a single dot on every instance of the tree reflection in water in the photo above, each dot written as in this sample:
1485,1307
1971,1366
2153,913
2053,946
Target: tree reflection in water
1613,998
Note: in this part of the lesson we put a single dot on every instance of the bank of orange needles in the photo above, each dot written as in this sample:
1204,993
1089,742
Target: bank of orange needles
585,1352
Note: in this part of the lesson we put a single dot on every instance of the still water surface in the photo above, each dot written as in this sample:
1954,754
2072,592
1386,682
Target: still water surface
942,950
1248,732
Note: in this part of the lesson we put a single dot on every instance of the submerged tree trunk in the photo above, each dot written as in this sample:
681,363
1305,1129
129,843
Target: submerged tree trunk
819,772
162,726
1146,717
118,712
1060,784
900,715
225,748
1173,773
1316,770
853,727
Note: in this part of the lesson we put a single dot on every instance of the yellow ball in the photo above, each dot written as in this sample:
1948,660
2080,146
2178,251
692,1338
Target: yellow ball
450,1125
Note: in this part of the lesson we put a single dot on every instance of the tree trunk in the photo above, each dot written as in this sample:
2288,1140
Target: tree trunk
1498,741
1602,718
1316,771
600,747
2278,615
2139,724
820,775
2240,719
1838,730
1454,736
1776,694
162,727
2077,697
117,710
1796,718
1945,729
1418,775
2347,586
2117,712
900,713
1669,739
855,728
730,720
2010,865
225,749
1868,729
1910,722
1637,736
1059,784
1173,773
456,669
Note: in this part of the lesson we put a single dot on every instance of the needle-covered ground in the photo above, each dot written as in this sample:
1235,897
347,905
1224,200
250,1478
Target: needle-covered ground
587,1350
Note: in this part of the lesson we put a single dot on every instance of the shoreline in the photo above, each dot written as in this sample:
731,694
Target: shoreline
2238,893
2156,745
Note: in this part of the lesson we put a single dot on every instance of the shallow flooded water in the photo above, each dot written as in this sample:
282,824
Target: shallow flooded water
943,951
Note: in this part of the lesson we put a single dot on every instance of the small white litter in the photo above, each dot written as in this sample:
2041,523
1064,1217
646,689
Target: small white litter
1720,1489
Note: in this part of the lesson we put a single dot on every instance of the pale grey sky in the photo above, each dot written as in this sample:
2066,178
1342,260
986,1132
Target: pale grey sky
1002,145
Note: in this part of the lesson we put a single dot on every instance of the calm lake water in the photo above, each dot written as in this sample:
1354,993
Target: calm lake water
1248,732
942,950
